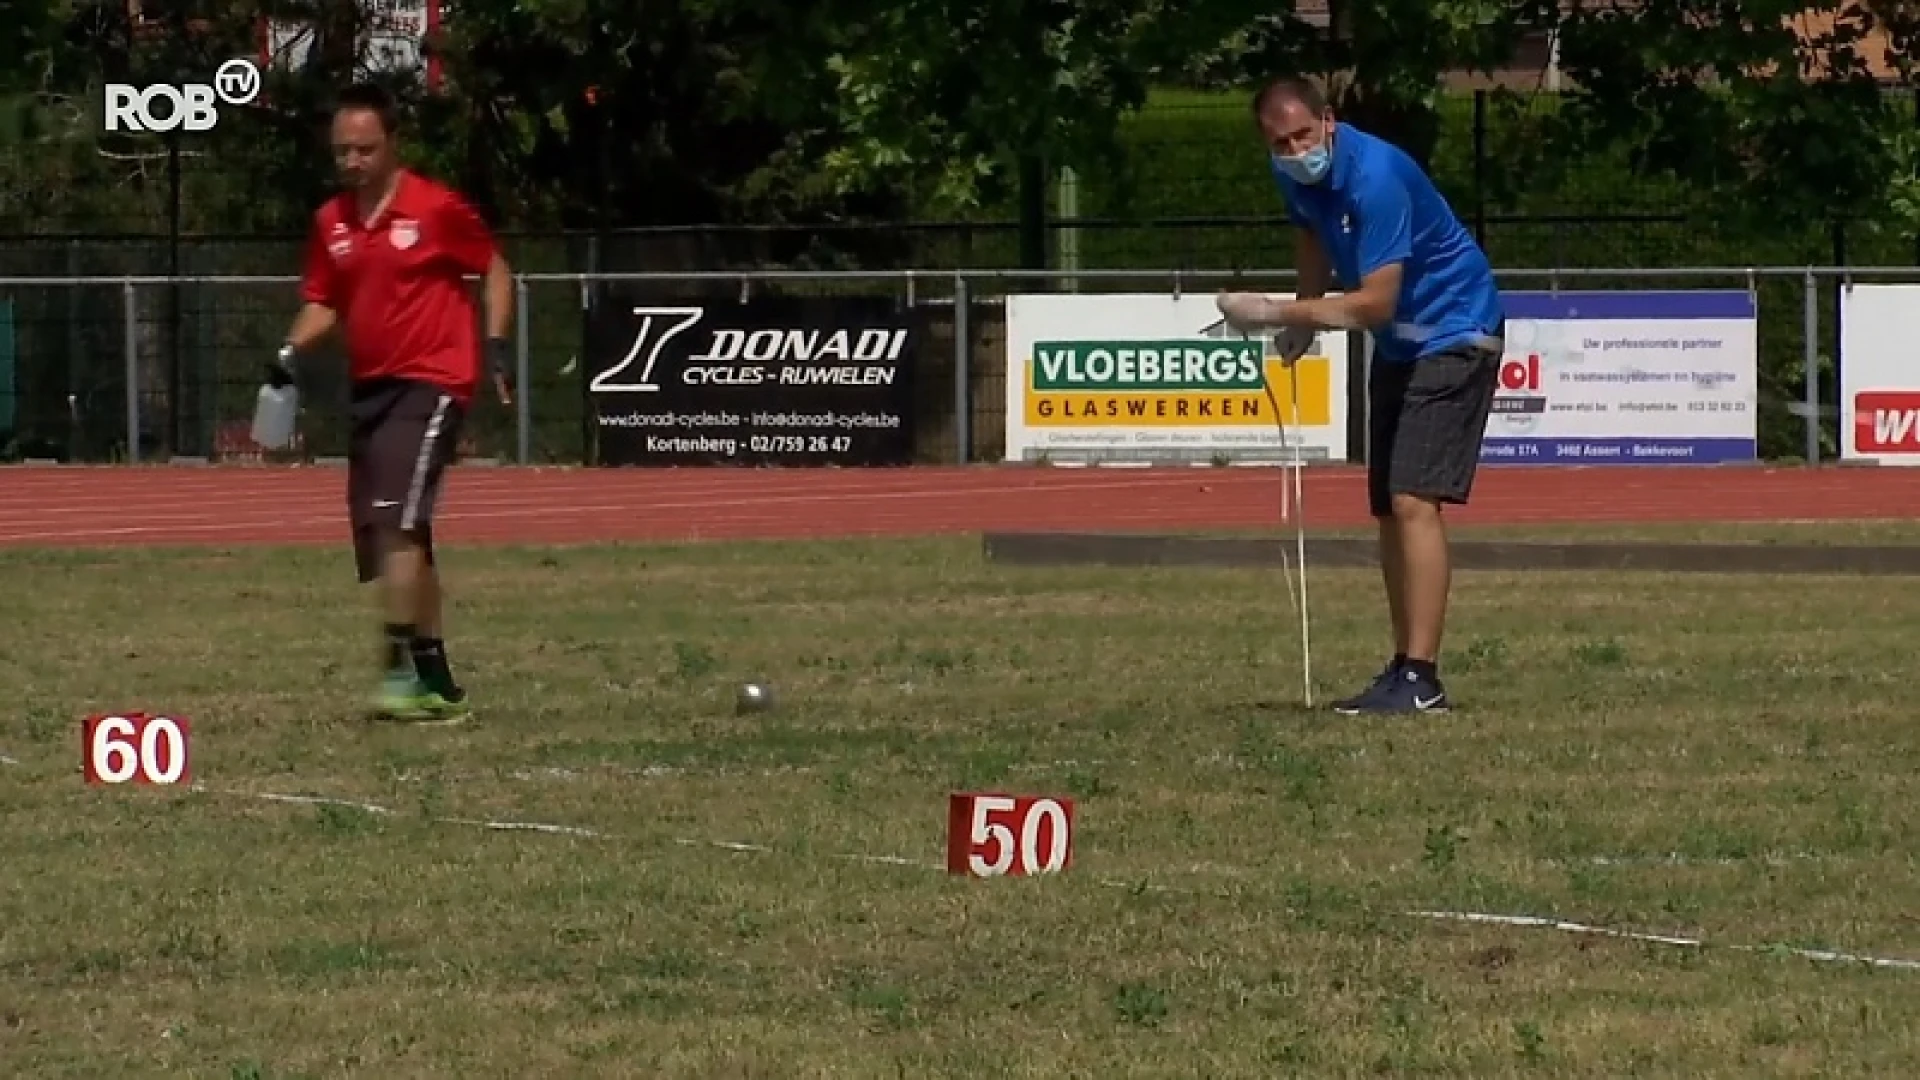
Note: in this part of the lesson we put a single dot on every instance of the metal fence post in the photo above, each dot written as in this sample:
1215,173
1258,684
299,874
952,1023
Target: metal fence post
522,378
962,353
587,300
130,310
1810,318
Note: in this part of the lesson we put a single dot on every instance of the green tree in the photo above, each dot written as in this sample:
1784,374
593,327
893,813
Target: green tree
949,96
1383,61
1770,101
950,100
685,110
29,31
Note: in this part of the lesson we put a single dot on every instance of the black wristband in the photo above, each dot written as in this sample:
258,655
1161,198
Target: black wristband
500,356
281,371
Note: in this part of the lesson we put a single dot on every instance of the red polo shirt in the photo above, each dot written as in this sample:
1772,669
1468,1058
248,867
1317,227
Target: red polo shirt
395,282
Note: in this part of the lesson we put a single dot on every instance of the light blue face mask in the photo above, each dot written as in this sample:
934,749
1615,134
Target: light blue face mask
1308,168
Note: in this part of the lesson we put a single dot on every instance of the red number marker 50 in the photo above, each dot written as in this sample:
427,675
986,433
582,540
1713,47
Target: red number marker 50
121,748
995,835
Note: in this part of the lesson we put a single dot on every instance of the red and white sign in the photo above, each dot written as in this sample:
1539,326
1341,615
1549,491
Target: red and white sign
135,748
395,36
1880,374
1521,374
1886,421
991,835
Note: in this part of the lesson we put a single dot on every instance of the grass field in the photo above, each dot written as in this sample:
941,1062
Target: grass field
1729,758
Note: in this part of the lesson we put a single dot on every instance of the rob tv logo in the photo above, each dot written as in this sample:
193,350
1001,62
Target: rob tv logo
165,107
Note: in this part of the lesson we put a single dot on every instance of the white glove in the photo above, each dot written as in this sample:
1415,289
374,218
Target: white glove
1244,311
1294,342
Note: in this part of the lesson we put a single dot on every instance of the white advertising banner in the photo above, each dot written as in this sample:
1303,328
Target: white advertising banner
1627,378
1880,373
1149,378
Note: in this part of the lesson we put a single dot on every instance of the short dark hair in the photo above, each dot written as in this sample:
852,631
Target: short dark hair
1290,87
371,97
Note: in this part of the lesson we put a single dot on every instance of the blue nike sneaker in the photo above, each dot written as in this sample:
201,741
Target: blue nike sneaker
1400,690
1378,686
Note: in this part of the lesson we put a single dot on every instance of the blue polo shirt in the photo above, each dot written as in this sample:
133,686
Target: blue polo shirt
1376,207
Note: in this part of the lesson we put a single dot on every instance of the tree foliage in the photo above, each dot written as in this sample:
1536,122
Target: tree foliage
1776,100
1383,61
602,112
951,93
656,114
29,31
948,97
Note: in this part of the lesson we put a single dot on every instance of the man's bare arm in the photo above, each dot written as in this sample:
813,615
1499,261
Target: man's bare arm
1366,308
313,322
1313,270
497,287
1313,277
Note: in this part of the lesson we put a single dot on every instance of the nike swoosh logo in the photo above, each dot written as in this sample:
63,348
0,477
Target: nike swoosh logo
1428,703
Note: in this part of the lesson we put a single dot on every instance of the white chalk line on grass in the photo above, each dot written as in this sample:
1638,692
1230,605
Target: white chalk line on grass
1675,858
542,827
1566,927
1523,921
658,772
373,808
655,772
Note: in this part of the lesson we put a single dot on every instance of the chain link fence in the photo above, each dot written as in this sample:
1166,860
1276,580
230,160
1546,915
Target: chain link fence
123,366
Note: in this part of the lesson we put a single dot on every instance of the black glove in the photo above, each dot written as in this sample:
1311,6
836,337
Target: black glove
500,360
280,369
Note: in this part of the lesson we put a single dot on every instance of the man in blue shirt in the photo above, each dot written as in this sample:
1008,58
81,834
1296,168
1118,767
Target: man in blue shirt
1411,274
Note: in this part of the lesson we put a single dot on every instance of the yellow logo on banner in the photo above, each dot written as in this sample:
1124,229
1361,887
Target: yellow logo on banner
1049,403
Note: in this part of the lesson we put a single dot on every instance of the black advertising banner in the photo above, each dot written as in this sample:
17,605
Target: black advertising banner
774,381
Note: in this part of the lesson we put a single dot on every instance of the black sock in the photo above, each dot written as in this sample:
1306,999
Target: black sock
399,645
1399,660
430,660
1425,670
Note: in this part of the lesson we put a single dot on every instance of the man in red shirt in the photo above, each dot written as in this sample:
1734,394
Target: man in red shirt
386,264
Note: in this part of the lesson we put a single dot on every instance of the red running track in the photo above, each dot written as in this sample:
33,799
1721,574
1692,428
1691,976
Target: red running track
56,506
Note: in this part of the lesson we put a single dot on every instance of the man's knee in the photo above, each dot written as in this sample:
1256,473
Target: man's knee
403,542
1409,507
386,529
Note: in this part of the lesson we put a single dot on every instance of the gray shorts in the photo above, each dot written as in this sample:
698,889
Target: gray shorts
1425,421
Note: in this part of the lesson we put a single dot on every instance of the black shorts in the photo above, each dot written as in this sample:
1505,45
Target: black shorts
1425,422
405,434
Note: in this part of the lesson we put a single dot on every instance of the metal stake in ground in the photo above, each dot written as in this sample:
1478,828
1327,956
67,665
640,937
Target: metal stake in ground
1296,510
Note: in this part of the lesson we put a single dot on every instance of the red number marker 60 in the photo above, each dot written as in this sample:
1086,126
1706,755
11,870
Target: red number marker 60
121,748
996,835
